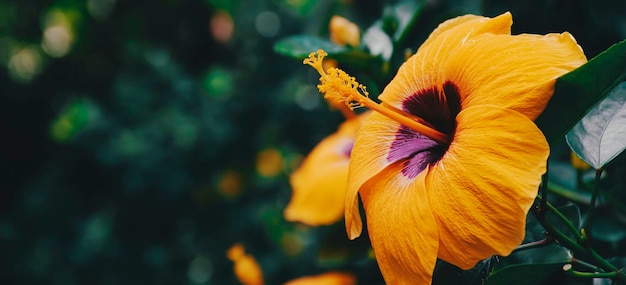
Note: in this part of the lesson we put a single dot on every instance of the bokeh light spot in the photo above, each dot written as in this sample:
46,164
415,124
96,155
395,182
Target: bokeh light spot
267,24
269,162
56,41
229,184
291,243
130,143
222,27
58,35
74,117
219,83
200,270
100,9
25,64
307,97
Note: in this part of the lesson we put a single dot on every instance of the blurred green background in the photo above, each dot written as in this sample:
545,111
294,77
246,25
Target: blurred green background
141,139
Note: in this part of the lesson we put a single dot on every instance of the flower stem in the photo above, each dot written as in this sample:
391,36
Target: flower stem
592,205
544,193
579,274
549,207
577,246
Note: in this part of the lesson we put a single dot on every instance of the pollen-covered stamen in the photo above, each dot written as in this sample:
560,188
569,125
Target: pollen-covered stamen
338,86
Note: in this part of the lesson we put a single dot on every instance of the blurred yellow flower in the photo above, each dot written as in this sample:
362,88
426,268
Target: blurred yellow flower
246,268
269,162
320,183
229,184
343,32
329,278
248,271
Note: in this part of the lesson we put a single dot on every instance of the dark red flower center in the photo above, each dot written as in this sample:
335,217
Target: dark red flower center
438,106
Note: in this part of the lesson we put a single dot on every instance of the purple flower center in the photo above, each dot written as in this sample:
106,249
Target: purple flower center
438,106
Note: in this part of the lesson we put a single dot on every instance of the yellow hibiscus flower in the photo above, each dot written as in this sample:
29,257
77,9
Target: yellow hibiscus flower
449,164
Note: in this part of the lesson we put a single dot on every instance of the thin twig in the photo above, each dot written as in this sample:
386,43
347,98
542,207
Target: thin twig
592,206
535,244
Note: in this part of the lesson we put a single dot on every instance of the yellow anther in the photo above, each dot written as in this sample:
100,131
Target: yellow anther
337,86
315,60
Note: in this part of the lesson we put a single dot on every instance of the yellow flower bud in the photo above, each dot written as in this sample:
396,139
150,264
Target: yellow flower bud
343,32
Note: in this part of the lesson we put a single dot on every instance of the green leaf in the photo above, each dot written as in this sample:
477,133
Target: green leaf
388,33
529,266
448,274
406,12
300,46
600,136
607,227
579,90
300,7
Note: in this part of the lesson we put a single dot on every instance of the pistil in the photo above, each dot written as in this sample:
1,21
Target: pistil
339,87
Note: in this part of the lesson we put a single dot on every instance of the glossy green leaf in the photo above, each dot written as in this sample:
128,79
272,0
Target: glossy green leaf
388,33
529,266
300,46
576,92
448,274
607,227
601,136
406,12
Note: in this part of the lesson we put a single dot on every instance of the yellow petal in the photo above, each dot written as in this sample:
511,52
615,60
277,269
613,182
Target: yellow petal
426,69
401,226
516,72
468,25
488,65
320,183
482,188
369,157
330,278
